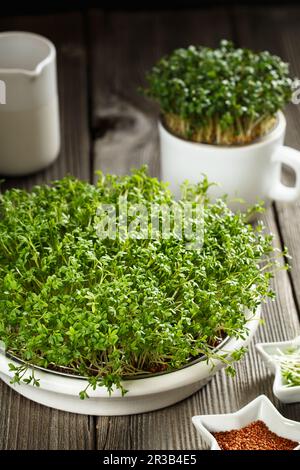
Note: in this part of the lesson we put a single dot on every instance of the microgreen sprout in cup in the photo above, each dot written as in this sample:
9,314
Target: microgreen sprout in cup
220,96
289,361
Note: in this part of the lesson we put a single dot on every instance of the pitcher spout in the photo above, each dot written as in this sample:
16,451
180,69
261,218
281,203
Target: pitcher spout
24,53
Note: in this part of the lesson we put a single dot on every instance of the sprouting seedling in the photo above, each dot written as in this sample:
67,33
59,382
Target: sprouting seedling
289,361
225,95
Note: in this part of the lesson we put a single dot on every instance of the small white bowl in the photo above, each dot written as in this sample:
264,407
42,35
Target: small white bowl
259,409
267,351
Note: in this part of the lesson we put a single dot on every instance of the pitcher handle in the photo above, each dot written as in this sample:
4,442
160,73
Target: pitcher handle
279,191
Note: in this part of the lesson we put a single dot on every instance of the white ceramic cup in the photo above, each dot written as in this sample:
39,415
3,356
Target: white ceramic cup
249,172
29,116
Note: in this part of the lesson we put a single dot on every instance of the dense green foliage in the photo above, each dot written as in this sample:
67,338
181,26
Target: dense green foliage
106,309
225,95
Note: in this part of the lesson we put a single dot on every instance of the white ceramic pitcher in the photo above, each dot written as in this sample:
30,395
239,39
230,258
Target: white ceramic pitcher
29,114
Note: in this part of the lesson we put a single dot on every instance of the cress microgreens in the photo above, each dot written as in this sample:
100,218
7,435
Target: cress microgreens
220,96
289,361
109,309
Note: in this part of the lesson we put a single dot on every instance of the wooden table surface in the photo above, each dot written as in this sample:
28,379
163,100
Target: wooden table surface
106,123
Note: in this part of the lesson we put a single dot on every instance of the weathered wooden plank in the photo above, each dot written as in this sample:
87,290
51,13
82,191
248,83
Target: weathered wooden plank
27,425
277,30
124,46
24,424
135,41
172,428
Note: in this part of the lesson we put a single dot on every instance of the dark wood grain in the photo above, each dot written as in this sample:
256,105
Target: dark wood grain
278,30
25,424
102,59
171,428
123,47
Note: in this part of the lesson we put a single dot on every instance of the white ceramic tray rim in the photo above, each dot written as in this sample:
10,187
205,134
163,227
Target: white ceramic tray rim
267,351
143,386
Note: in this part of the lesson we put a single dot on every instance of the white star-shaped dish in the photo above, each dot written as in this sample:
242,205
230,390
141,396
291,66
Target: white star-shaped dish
259,409
268,352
